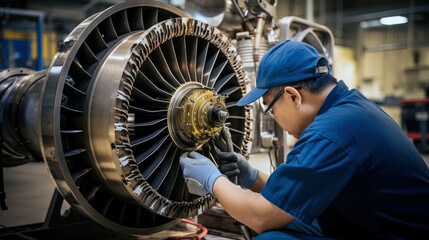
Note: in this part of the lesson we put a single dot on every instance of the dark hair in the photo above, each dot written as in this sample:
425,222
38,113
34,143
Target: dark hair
312,85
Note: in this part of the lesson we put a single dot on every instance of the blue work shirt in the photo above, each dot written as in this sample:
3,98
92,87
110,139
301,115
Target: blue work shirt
356,172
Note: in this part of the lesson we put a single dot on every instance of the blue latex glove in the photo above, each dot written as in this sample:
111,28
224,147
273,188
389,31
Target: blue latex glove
198,169
247,175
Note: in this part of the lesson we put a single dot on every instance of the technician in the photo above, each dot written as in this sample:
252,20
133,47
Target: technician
352,174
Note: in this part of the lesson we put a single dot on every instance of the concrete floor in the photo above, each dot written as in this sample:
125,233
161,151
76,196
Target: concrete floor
29,189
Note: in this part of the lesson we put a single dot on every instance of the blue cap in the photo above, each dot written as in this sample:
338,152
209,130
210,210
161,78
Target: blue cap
288,62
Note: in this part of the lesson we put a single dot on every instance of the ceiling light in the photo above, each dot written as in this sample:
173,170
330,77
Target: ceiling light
393,20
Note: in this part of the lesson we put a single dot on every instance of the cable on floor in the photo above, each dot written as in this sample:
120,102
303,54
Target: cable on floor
203,231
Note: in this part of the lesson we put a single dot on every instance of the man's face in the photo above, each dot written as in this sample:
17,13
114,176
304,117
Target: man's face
286,112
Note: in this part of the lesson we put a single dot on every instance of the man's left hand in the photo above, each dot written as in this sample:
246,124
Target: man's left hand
198,168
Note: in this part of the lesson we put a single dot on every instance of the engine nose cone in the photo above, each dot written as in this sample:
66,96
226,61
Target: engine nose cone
195,115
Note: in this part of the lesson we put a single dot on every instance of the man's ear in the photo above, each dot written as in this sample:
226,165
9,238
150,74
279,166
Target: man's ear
294,95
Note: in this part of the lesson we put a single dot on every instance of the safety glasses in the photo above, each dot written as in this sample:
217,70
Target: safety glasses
268,110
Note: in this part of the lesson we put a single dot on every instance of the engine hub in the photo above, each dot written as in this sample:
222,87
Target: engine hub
196,114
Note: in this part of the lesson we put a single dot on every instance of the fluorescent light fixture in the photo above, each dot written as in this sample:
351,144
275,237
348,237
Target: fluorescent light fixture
393,20
370,23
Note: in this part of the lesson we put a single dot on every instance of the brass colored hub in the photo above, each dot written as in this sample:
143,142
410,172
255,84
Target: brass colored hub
196,113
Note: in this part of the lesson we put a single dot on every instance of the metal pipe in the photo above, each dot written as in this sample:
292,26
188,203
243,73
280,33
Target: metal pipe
411,17
258,37
21,12
309,10
39,43
243,16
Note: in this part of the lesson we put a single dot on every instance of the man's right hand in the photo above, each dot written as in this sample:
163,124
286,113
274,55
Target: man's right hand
233,164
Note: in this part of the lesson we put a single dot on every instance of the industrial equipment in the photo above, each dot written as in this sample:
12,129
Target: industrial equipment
254,29
132,88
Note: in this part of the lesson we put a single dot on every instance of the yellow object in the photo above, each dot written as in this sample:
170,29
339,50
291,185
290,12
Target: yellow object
194,115
49,42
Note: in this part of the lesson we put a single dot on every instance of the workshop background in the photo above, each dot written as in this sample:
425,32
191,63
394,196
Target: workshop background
381,47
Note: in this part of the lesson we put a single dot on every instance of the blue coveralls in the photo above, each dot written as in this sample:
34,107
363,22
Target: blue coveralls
356,172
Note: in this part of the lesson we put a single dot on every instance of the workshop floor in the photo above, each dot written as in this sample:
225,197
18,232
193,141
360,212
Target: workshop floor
29,190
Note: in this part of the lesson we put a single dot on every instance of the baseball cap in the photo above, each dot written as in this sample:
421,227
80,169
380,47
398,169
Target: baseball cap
288,62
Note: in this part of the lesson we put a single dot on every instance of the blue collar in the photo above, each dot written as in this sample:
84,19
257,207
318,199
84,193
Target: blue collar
333,96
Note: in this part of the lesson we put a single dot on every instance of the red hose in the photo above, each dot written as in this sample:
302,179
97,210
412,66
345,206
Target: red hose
200,227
